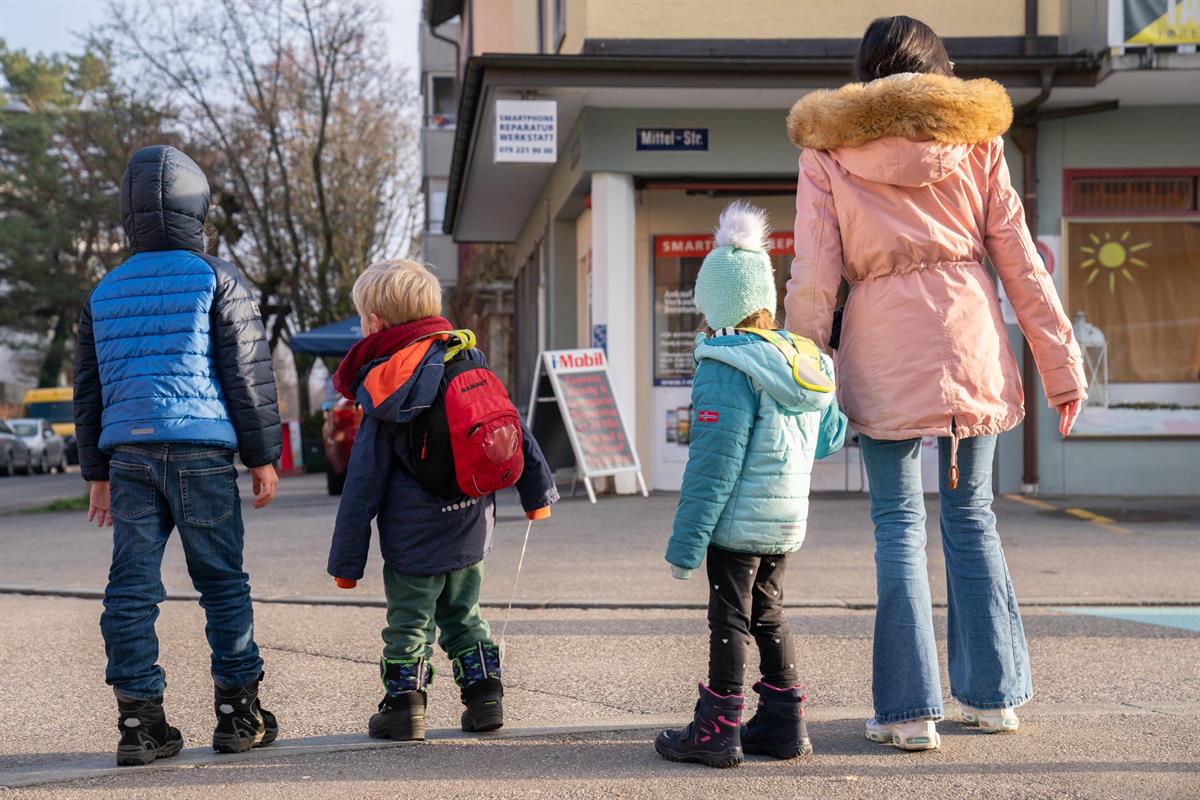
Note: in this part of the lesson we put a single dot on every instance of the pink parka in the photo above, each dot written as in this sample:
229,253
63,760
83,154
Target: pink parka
904,190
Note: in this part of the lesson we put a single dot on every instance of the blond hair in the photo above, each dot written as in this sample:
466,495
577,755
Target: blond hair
398,291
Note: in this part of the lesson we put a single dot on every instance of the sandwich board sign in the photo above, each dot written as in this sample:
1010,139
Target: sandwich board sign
572,398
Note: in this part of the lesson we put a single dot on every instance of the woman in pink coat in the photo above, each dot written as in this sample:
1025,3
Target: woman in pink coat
904,192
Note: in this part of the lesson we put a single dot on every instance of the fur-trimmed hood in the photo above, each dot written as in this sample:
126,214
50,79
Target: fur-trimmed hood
917,107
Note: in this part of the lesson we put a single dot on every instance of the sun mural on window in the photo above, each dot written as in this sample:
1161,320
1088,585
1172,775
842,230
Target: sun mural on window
1112,257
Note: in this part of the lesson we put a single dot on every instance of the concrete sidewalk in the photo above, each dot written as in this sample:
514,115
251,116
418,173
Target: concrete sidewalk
610,678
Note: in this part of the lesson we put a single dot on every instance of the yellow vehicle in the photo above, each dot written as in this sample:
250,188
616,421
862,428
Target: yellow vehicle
56,405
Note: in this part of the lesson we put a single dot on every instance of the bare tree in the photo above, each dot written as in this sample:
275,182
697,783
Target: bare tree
313,137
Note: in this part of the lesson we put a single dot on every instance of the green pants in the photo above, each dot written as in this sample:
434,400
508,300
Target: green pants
417,604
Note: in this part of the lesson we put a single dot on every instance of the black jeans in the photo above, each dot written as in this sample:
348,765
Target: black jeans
745,599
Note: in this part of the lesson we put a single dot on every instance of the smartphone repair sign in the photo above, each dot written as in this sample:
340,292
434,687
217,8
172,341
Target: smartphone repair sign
526,131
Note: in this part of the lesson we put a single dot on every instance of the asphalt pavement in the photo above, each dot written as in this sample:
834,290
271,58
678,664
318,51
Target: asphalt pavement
607,651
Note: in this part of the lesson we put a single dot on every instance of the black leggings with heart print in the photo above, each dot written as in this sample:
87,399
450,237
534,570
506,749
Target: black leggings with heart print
745,600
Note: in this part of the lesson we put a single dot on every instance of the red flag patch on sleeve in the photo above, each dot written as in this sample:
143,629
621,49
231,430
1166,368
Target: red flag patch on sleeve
708,416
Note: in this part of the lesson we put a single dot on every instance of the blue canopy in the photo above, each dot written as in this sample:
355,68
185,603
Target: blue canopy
334,339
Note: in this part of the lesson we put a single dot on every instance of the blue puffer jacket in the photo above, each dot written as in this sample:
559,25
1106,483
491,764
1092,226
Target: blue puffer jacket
755,433
171,346
419,534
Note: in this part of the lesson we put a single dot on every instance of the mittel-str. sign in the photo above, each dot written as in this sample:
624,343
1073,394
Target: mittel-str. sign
672,138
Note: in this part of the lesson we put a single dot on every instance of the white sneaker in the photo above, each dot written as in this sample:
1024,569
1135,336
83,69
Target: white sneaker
991,720
917,734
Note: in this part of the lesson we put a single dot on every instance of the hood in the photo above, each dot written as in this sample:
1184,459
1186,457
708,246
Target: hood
907,130
901,162
404,384
164,201
761,361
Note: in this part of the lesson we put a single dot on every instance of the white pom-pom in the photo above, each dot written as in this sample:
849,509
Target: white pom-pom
745,227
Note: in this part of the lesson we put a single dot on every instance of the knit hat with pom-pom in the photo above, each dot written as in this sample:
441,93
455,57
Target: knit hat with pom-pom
737,278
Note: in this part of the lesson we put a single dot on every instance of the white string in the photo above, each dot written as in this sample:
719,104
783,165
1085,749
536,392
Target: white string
512,598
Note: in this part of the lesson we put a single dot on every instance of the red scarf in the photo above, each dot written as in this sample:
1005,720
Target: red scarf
382,345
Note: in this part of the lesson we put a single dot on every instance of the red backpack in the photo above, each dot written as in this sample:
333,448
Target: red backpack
469,442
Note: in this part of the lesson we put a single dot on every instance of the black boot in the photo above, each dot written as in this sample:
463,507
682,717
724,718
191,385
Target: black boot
145,734
778,728
714,735
477,673
401,714
242,722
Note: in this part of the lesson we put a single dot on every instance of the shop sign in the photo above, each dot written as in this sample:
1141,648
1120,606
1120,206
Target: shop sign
698,246
672,138
572,397
1160,22
526,131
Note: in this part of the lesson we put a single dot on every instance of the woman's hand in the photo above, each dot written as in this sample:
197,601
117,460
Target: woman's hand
1068,412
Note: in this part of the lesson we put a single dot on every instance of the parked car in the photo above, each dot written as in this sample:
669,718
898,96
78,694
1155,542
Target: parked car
337,436
14,453
56,405
47,450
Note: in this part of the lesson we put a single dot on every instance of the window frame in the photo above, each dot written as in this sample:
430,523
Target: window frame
1069,175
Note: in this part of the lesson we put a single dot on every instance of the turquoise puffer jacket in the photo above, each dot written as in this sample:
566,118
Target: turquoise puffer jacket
755,433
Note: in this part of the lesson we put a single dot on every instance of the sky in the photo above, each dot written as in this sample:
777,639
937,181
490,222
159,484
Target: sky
56,25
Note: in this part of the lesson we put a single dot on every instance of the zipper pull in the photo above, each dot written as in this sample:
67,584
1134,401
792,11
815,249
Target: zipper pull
424,445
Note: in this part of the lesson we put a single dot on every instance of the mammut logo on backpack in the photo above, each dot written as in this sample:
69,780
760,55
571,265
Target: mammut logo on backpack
469,442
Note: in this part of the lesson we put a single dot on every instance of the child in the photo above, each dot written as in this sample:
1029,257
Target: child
433,538
172,373
763,408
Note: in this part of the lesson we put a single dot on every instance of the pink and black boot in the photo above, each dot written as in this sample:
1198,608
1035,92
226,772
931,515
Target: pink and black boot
778,728
714,736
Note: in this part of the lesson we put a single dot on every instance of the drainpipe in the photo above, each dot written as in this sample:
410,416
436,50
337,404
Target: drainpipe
1029,46
1025,137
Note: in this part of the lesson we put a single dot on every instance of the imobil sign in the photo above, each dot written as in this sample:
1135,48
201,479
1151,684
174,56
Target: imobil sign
575,360
526,131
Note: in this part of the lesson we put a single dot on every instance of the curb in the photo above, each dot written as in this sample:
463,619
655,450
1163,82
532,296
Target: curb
850,604
100,765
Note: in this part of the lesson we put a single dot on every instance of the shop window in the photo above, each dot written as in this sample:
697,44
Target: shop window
677,261
1138,281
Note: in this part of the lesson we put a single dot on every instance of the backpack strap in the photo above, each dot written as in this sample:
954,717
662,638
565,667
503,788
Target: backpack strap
459,340
801,354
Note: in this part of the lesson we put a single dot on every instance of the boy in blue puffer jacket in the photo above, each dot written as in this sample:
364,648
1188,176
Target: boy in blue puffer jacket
172,375
764,408
433,536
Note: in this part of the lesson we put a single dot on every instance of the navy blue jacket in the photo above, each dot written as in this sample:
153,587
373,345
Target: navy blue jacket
171,346
419,534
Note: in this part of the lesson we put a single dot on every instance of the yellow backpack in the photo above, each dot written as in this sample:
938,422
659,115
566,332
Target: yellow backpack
801,354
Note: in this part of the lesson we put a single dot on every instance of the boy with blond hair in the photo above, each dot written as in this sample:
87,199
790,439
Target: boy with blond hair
438,438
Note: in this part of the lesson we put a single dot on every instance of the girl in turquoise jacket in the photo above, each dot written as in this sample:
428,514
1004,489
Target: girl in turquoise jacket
763,410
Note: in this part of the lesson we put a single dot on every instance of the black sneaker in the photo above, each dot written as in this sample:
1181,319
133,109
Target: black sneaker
242,722
712,738
401,717
145,734
778,728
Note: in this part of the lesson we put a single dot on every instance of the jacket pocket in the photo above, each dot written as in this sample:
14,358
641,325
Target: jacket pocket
209,495
132,488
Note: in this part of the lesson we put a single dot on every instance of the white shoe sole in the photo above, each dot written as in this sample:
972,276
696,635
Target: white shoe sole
989,723
912,742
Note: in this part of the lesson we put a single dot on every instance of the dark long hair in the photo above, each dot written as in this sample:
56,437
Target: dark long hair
900,44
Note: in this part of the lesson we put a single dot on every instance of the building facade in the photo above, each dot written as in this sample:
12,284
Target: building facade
599,139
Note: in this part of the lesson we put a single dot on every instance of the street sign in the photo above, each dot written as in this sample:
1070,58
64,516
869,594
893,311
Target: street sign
672,138
572,395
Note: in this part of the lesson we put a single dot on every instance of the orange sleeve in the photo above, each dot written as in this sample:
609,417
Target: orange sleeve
541,513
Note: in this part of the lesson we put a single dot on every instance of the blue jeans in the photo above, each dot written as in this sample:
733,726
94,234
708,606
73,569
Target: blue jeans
988,660
156,488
